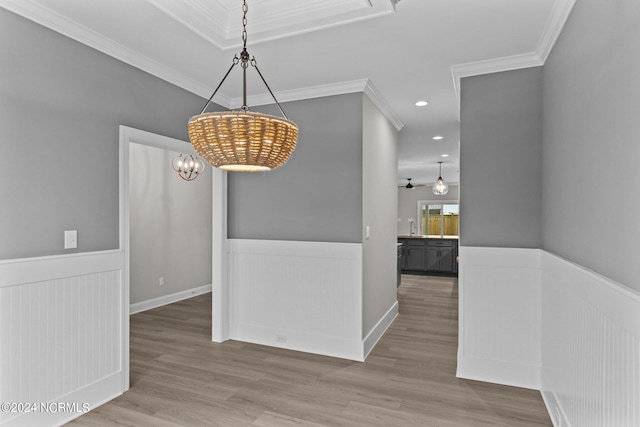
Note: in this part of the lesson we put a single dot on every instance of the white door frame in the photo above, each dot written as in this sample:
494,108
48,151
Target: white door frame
219,264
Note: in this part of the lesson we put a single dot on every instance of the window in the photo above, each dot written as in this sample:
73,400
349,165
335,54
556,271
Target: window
439,219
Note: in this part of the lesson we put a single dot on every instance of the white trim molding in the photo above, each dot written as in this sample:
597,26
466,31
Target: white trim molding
377,99
218,24
220,285
550,34
36,12
378,331
48,18
168,299
340,88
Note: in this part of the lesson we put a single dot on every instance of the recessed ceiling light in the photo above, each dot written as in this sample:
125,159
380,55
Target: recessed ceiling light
421,103
445,155
438,137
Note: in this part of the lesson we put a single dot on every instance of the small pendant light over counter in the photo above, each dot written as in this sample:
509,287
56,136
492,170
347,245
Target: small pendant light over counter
440,188
243,141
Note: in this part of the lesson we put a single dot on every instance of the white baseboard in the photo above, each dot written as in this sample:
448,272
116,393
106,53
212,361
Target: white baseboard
292,339
499,372
168,299
558,418
381,327
92,396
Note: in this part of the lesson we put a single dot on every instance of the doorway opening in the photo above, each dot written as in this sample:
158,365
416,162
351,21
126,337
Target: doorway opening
167,199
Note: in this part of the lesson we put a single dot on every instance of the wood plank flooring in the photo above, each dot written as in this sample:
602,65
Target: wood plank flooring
180,378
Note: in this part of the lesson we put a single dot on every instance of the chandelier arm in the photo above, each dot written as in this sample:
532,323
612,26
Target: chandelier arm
235,62
253,63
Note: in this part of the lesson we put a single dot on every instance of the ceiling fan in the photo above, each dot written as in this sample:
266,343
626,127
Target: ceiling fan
410,186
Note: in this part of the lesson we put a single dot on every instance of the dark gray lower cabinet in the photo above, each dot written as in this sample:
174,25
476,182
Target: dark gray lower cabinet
429,255
416,256
440,258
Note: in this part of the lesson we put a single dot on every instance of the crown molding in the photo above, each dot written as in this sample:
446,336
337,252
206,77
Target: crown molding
550,34
310,92
47,18
384,107
40,14
555,24
506,63
340,88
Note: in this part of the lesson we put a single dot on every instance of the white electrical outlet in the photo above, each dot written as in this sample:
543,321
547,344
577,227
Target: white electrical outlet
281,338
161,281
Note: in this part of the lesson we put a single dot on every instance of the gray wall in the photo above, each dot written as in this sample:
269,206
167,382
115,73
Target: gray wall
317,194
501,159
170,225
60,107
379,204
591,183
408,203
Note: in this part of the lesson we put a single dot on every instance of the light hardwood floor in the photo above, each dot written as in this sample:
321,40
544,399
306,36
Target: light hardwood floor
180,378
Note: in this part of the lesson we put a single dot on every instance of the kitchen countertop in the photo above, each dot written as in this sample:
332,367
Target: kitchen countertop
418,236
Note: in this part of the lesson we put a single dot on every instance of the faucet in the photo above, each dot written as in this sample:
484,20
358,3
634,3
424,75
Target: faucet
413,229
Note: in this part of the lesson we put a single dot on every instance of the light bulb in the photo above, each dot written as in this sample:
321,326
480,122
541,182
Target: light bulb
440,187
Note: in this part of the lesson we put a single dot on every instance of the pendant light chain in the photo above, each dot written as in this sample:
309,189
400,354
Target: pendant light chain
244,56
243,141
245,9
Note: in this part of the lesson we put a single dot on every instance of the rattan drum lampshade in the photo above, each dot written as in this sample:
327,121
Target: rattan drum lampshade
243,141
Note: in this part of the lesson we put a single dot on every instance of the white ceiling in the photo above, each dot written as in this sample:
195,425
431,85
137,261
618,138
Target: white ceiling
403,51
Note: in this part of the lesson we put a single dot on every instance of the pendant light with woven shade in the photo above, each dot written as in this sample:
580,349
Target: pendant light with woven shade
243,141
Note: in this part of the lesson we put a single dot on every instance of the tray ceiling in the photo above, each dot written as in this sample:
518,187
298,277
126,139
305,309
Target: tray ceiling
219,21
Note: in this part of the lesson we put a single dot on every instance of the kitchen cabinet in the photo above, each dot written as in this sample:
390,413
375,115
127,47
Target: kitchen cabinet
424,255
416,255
440,255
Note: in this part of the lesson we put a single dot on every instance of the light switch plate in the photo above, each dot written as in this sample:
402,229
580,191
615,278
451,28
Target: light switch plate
70,239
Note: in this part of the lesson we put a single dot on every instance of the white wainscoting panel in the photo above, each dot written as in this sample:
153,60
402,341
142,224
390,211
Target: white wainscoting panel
61,333
304,296
590,347
499,315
